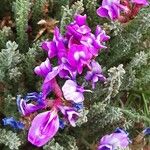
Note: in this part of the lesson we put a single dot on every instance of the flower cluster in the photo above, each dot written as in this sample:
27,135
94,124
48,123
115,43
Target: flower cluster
123,11
73,54
118,139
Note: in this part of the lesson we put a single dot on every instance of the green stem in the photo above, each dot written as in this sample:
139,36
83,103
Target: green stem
145,104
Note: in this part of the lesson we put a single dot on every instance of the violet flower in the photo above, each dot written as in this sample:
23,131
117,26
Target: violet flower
10,121
95,74
78,56
73,92
118,139
44,68
70,114
146,131
55,48
78,28
26,107
110,9
44,126
141,2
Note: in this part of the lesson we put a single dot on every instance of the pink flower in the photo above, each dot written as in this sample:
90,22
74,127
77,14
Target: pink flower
44,126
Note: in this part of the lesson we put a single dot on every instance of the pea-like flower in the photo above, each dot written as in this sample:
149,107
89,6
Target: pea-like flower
95,74
110,9
70,114
25,107
78,57
73,92
44,68
43,128
118,139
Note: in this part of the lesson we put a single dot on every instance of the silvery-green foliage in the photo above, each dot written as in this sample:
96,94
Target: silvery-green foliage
14,74
9,106
37,8
82,117
114,81
132,35
5,34
10,58
115,27
29,63
92,17
101,115
138,71
52,145
68,13
21,10
10,139
139,60
67,141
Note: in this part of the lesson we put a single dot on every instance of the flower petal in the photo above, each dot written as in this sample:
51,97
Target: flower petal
44,126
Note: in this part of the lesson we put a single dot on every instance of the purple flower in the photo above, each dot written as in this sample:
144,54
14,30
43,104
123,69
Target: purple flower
78,106
141,2
44,68
37,97
70,114
101,37
50,48
44,126
146,131
80,20
78,56
73,92
26,108
13,123
55,48
115,140
110,9
78,28
95,74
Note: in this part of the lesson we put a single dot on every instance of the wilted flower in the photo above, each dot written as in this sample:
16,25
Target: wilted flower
44,126
118,139
10,121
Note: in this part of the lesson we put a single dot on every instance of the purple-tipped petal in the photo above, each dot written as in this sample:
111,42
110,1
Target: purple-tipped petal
43,69
44,127
80,20
50,47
